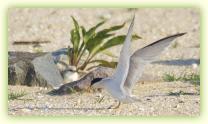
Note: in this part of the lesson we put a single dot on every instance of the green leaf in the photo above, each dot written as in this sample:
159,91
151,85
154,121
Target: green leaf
113,28
95,42
135,37
91,32
81,49
103,63
75,36
75,23
75,39
117,41
108,53
113,42
83,31
102,35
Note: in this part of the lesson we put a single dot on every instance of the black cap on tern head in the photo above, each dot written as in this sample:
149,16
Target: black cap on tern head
95,80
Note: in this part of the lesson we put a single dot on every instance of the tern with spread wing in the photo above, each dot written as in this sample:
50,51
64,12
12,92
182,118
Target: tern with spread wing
130,67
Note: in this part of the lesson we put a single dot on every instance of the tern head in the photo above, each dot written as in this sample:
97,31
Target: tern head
97,83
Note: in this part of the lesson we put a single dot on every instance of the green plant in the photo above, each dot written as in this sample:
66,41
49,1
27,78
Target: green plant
169,78
91,42
16,95
177,93
100,99
192,78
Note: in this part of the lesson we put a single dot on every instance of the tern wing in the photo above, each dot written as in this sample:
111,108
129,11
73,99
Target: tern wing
144,56
122,68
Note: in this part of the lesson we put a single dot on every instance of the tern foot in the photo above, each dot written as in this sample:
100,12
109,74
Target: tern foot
115,107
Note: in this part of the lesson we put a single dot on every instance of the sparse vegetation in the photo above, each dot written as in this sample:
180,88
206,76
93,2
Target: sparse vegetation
192,78
100,99
176,93
16,95
181,93
90,43
169,78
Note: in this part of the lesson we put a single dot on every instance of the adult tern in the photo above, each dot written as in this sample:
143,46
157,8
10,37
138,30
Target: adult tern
130,67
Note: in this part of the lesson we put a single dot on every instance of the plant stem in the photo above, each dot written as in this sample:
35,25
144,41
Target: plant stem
89,58
79,57
82,67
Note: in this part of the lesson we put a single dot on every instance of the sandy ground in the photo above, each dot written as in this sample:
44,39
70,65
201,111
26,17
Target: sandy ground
54,25
156,100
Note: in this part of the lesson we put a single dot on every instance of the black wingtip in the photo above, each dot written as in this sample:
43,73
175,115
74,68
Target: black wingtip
181,34
172,36
177,35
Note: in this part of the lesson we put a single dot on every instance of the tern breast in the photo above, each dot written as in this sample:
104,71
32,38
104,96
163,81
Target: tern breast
114,89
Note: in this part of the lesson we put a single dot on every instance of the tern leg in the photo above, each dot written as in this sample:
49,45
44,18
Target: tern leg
133,98
115,107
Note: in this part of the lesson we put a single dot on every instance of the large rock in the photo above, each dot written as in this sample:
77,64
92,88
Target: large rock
33,69
18,72
46,69
20,68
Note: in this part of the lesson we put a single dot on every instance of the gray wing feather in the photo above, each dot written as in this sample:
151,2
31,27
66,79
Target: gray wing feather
144,56
122,68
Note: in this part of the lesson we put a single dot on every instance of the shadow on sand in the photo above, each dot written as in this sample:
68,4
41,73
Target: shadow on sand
178,62
174,94
54,108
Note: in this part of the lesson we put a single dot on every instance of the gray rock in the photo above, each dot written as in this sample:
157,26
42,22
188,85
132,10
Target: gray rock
45,67
17,73
20,68
33,69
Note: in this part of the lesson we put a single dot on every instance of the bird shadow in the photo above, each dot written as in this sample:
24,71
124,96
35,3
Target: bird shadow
178,62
